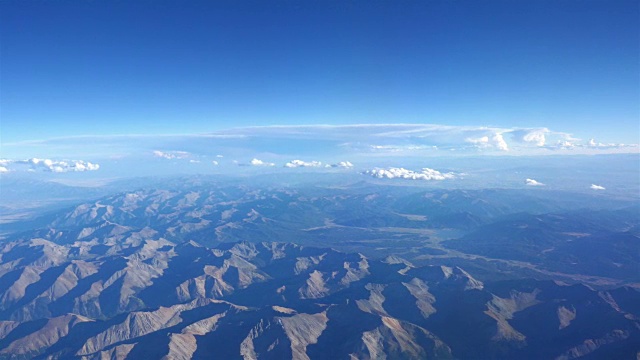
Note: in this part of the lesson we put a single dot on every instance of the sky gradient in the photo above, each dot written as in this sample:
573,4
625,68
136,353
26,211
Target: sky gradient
101,67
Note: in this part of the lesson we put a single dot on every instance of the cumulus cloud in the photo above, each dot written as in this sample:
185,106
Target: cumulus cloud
496,140
300,163
402,173
536,137
596,187
219,156
257,162
171,154
215,163
3,169
194,161
48,165
531,182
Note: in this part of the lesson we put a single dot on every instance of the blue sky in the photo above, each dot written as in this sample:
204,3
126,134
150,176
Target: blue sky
101,67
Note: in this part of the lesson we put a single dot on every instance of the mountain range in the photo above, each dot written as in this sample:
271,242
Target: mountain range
366,272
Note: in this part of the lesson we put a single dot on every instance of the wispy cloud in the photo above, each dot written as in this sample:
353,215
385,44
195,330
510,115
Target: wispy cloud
330,141
341,164
171,154
120,137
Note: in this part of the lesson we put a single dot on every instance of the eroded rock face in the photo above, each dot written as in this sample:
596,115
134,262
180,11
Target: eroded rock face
44,337
503,309
271,300
424,299
566,316
590,345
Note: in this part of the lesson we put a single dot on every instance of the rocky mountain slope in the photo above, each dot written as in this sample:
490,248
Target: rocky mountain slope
147,297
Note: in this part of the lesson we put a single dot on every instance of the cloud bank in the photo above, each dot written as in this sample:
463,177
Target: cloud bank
402,173
300,163
331,141
47,165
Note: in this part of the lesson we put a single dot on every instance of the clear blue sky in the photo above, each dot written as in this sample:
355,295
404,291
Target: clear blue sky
121,67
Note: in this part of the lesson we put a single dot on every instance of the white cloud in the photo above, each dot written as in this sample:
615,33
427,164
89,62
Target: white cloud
531,182
495,140
300,163
3,169
565,144
598,145
388,138
537,137
171,154
402,173
257,162
219,156
569,145
48,165
215,163
399,148
356,142
596,187
194,161
498,141
481,141
341,164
